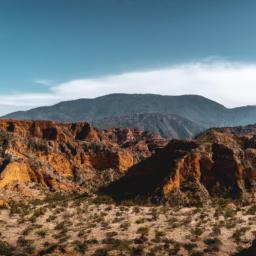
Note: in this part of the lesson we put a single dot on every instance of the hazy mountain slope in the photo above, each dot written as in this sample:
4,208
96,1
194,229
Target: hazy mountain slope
198,109
195,108
243,115
168,126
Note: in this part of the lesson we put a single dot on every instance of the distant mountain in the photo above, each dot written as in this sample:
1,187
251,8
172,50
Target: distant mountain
202,111
168,126
192,107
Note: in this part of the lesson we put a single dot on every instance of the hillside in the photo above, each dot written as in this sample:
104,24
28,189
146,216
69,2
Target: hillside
167,126
195,108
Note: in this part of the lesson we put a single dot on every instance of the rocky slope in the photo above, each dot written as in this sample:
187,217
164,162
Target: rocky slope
41,156
167,126
219,162
45,155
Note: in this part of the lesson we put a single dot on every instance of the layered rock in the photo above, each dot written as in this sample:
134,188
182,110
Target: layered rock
46,155
218,162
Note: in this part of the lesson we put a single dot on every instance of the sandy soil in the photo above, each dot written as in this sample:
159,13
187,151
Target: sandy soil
80,226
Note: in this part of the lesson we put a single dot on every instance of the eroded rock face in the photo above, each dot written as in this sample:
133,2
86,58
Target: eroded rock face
70,156
218,162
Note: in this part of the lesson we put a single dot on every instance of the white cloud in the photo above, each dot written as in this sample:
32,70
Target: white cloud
232,84
44,82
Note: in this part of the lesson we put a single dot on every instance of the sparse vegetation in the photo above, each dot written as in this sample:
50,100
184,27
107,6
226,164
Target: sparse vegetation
78,224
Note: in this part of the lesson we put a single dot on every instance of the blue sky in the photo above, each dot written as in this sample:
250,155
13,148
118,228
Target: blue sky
48,45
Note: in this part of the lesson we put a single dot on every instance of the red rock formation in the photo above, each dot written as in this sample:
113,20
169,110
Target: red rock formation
217,162
77,156
42,155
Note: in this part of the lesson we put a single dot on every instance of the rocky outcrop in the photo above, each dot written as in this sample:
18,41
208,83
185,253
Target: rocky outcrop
46,155
216,163
41,156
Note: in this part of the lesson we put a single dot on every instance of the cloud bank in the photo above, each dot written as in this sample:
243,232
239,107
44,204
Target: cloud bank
229,83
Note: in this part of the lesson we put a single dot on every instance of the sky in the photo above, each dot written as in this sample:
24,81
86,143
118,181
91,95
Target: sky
55,50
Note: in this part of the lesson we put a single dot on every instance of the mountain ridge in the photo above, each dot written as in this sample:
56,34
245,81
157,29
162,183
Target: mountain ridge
203,112
131,103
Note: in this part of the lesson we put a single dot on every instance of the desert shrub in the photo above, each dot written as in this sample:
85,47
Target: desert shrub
26,244
100,252
60,226
216,230
41,233
143,231
154,214
3,207
50,249
125,225
111,234
213,244
137,251
23,242
229,213
175,248
81,233
51,218
121,245
237,236
6,249
39,212
136,210
140,221
103,199
80,247
251,210
158,235
189,246
231,224
198,231
196,253
27,230
92,241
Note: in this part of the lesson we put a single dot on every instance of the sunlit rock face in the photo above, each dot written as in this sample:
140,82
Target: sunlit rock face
46,155
219,162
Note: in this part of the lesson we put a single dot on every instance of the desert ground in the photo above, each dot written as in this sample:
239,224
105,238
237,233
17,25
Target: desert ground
80,225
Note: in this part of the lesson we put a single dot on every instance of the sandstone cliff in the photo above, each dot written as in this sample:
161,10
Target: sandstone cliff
46,155
220,162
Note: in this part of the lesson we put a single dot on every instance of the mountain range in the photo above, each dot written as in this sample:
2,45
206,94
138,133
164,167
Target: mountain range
59,177
180,117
